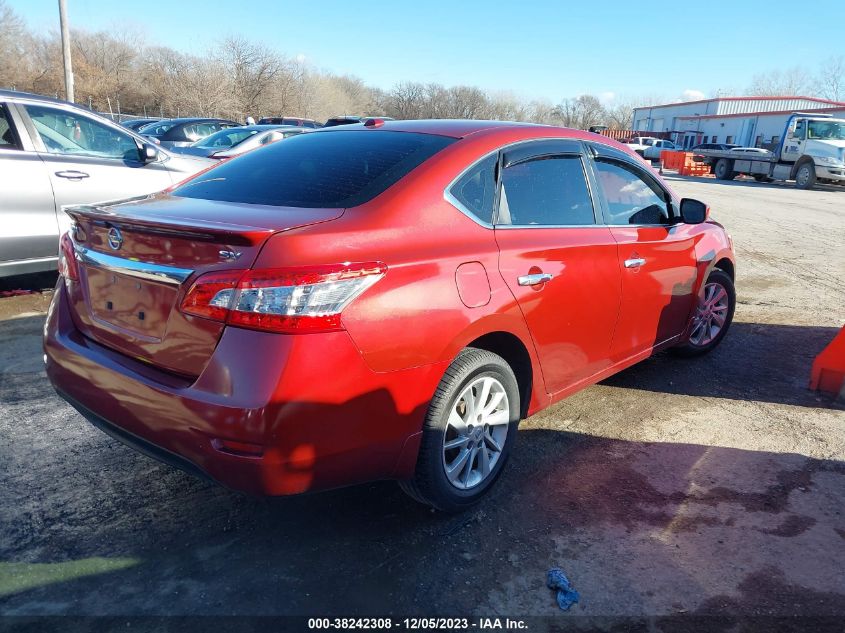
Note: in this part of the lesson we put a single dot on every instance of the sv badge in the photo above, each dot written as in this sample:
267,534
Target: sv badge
229,255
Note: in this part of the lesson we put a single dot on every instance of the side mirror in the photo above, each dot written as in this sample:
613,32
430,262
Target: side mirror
693,211
149,153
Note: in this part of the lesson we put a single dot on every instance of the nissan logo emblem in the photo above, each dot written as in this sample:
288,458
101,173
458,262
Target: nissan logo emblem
115,238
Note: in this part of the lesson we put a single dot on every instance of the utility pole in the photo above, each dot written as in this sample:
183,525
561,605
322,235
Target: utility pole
66,50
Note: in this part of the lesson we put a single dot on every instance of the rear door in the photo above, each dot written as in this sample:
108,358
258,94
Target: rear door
656,254
29,232
559,262
89,160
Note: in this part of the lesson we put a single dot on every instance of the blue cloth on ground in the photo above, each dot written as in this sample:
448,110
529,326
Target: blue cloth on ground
566,594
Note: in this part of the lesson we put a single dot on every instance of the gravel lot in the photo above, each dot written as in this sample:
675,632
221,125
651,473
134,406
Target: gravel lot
712,486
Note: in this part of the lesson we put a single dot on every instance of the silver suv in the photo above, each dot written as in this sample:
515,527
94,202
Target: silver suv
53,154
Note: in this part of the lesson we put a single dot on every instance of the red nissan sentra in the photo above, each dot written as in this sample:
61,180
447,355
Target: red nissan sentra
385,300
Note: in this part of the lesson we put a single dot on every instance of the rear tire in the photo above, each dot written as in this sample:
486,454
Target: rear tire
702,337
457,428
724,169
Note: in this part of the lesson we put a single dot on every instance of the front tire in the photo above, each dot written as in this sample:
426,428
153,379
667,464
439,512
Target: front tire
468,432
805,177
713,316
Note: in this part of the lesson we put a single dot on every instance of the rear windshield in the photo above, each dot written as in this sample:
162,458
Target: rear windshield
156,129
323,169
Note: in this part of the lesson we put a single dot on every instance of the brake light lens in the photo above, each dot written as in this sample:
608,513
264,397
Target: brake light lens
211,295
67,259
305,299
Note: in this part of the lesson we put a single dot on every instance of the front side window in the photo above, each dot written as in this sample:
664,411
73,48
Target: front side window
64,132
545,191
631,199
321,169
476,189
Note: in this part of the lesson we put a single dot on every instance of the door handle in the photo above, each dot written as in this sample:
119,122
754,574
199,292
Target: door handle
72,174
534,280
636,262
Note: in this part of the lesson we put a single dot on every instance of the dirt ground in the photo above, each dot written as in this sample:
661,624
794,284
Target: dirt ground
710,486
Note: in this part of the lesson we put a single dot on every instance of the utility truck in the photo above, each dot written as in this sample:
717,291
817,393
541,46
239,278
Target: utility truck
811,150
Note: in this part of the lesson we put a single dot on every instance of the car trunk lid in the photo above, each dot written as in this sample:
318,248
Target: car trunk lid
138,258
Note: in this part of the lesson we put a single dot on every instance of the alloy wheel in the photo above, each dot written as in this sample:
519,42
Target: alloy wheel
710,315
476,431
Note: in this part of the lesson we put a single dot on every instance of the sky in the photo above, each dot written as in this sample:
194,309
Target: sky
535,49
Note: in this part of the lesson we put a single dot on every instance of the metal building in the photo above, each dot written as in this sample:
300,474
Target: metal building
746,121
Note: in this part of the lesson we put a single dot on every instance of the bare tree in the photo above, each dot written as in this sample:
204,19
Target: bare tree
580,112
253,69
830,80
14,41
792,81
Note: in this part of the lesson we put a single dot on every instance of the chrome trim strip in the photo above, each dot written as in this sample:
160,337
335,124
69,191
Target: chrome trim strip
142,270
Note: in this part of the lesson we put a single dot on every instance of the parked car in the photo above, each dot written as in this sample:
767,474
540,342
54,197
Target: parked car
350,119
751,150
183,132
288,120
137,124
302,328
652,152
237,140
724,147
52,154
638,144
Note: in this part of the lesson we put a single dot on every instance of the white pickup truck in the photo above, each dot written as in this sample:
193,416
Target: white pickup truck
811,150
640,143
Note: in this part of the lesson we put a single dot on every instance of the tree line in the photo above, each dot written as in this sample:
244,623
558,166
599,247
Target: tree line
116,71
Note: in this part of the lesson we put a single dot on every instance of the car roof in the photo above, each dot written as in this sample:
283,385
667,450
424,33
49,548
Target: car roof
261,127
286,116
192,119
17,94
456,128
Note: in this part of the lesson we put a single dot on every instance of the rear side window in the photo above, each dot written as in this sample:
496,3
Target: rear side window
8,140
476,189
546,191
323,169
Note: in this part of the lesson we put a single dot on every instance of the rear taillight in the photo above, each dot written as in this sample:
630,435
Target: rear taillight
67,259
305,299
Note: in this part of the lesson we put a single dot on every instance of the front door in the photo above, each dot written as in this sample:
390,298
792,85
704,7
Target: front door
89,161
29,233
656,257
559,262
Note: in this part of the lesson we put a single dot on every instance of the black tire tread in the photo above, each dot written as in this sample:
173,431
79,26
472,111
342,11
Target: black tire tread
467,360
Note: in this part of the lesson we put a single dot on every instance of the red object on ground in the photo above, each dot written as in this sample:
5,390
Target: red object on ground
829,367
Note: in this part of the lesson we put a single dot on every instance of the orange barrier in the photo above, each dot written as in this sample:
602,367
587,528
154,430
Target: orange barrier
829,367
683,163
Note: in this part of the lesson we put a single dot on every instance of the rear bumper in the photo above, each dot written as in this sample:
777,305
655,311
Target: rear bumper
314,412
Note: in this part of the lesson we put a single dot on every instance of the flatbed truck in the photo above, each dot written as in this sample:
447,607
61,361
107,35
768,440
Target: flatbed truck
811,150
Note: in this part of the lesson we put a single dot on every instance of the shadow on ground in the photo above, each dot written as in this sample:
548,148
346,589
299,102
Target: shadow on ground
756,361
91,527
